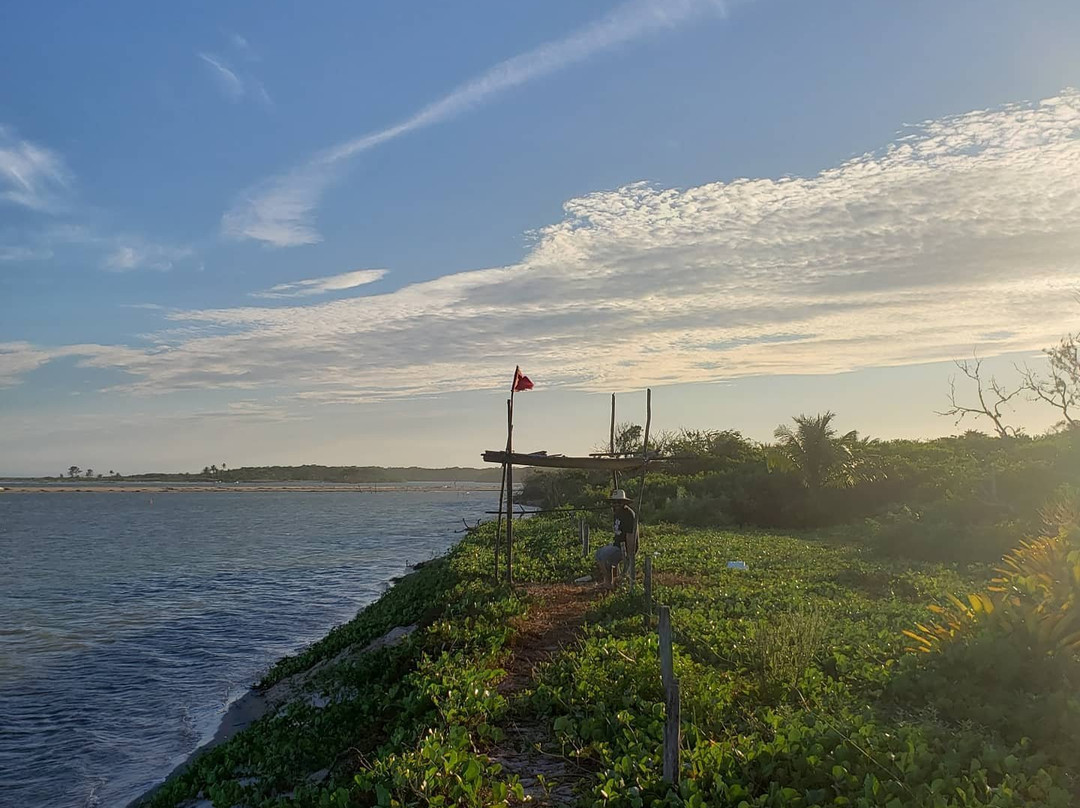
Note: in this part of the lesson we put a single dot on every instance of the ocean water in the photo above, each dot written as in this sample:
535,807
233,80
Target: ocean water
128,622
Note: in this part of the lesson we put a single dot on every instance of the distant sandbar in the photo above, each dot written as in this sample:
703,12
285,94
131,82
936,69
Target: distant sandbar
237,488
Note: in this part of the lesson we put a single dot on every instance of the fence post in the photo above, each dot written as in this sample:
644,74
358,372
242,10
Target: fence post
672,737
631,573
667,665
648,592
585,538
671,699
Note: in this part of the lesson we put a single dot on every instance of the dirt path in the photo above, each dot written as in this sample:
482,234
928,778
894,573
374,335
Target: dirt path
554,620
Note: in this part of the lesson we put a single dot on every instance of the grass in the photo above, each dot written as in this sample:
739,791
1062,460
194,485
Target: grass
797,690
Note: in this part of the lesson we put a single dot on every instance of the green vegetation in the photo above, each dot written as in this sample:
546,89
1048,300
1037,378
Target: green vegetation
799,685
965,498
894,640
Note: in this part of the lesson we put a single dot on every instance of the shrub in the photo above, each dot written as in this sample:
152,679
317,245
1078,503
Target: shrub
784,645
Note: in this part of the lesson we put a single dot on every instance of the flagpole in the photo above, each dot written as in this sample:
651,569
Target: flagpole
510,487
498,525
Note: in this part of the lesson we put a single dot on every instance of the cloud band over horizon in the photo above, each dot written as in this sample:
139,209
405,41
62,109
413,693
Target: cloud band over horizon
964,232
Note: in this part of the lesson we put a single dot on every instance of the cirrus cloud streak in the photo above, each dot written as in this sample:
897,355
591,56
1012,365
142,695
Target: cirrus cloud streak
278,212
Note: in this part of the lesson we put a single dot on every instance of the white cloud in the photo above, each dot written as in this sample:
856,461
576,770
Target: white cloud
128,254
230,83
35,177
120,252
965,227
320,286
18,359
278,211
31,175
236,84
21,253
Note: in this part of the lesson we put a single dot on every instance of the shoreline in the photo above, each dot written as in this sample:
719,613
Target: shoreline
238,716
246,488
254,703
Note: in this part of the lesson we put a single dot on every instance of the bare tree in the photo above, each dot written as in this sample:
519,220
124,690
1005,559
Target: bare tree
992,397
1061,388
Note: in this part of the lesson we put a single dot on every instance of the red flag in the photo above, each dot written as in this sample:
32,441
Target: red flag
521,381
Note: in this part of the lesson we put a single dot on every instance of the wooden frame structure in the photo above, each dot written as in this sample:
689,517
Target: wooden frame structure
611,460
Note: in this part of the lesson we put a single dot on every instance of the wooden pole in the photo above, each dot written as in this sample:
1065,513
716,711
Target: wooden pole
644,454
510,490
667,663
672,707
648,592
498,526
611,443
672,733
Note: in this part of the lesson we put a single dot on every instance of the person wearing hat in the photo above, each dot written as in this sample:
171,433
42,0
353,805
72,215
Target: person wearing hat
610,556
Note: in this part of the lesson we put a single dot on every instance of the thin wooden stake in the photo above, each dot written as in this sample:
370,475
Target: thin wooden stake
648,592
672,733
671,699
667,664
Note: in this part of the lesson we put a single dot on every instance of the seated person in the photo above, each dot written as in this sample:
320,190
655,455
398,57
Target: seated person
610,556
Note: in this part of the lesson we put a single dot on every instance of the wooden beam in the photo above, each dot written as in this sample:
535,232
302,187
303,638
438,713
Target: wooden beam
562,462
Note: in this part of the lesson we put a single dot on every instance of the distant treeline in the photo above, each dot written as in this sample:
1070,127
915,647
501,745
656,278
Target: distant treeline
327,474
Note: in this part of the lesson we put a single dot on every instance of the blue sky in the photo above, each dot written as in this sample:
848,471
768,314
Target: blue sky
285,233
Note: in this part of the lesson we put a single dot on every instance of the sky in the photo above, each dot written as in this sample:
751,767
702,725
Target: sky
286,233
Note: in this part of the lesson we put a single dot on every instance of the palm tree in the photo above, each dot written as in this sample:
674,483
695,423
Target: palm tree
813,448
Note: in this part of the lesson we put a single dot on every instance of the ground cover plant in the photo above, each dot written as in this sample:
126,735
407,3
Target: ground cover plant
799,687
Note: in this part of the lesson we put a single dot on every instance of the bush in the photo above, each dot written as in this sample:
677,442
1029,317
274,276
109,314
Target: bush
783,646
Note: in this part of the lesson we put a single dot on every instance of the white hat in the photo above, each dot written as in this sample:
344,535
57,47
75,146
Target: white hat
618,495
